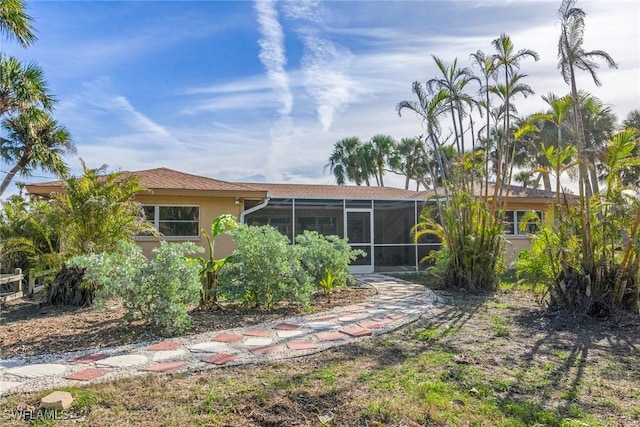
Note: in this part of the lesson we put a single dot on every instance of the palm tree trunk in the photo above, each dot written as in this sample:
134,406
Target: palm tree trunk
584,185
11,174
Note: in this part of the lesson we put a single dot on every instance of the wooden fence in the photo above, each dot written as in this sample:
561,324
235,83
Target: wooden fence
14,286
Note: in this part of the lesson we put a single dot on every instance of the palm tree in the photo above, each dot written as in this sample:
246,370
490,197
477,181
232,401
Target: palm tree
409,159
454,81
22,86
14,22
487,66
430,108
34,140
559,110
508,59
347,160
571,56
506,152
599,121
382,147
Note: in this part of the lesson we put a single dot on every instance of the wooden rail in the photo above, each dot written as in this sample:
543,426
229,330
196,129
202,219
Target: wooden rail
13,286
10,286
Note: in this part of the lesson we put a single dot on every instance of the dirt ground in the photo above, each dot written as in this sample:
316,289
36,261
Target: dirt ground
28,329
472,360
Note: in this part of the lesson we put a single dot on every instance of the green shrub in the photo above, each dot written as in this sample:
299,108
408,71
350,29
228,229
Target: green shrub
160,290
319,254
264,269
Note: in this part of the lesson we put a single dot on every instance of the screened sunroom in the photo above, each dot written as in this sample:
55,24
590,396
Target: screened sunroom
379,227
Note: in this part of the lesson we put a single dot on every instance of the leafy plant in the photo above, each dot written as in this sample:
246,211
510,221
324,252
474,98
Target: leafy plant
319,253
327,283
159,290
264,269
97,210
211,266
29,237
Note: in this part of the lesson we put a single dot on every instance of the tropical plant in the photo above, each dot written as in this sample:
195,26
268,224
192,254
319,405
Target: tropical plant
572,57
97,210
211,266
348,162
382,148
327,283
15,23
507,60
409,159
28,234
557,257
34,141
22,86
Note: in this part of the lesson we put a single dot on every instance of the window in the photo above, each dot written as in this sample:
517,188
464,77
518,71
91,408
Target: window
513,220
174,221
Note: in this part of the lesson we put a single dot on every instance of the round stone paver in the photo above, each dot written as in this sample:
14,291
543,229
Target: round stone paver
122,361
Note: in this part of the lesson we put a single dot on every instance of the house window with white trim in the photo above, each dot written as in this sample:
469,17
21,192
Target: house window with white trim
174,221
513,219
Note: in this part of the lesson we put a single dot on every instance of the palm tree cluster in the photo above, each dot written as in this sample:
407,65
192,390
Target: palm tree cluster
31,138
588,246
471,170
365,162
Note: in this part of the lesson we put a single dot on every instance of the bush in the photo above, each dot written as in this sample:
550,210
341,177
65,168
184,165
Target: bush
264,269
159,290
319,254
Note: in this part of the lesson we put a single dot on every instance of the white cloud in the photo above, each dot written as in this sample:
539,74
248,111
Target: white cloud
272,52
325,66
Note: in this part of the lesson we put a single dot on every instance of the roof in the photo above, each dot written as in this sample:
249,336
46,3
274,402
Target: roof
168,181
312,191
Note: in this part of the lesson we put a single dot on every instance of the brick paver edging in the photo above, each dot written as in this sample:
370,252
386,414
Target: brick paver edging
395,304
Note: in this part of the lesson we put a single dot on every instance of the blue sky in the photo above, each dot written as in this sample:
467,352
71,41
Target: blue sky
246,91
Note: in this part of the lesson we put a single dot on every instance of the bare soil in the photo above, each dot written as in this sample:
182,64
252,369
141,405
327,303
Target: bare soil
483,360
29,329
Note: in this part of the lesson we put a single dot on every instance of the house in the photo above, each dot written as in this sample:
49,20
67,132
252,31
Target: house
377,220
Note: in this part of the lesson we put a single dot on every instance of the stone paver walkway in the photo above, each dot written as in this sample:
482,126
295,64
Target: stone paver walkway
396,303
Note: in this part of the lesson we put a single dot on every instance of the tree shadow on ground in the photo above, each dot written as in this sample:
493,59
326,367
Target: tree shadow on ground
565,346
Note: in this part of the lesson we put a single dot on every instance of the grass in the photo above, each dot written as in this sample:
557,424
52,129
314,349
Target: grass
451,369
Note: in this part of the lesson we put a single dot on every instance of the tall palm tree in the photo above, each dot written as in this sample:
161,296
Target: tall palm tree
430,108
487,65
22,86
507,60
571,56
506,153
347,162
454,80
599,122
14,22
34,140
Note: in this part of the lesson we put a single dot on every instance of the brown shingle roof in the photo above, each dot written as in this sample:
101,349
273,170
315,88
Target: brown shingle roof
338,191
161,179
168,180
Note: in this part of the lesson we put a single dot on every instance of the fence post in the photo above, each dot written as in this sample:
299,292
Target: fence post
32,282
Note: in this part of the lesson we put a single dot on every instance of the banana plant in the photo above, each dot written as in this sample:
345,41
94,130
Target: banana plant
210,267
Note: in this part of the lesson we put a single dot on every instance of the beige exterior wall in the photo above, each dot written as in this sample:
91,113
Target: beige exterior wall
516,243
210,209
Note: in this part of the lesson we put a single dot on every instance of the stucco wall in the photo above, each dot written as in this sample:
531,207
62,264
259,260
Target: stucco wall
517,243
210,209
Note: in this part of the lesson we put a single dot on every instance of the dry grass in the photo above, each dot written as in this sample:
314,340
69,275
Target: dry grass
449,369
